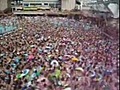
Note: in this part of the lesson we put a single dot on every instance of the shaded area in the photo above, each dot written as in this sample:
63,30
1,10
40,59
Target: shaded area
6,29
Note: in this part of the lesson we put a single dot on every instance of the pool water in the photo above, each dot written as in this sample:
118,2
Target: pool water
6,29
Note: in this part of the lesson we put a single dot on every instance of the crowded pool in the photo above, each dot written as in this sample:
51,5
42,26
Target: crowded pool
57,54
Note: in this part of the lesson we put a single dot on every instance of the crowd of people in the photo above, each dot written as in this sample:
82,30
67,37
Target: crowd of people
56,53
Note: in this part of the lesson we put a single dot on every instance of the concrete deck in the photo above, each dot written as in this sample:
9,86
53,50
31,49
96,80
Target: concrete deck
27,12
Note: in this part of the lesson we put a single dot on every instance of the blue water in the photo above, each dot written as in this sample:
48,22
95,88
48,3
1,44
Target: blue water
6,29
